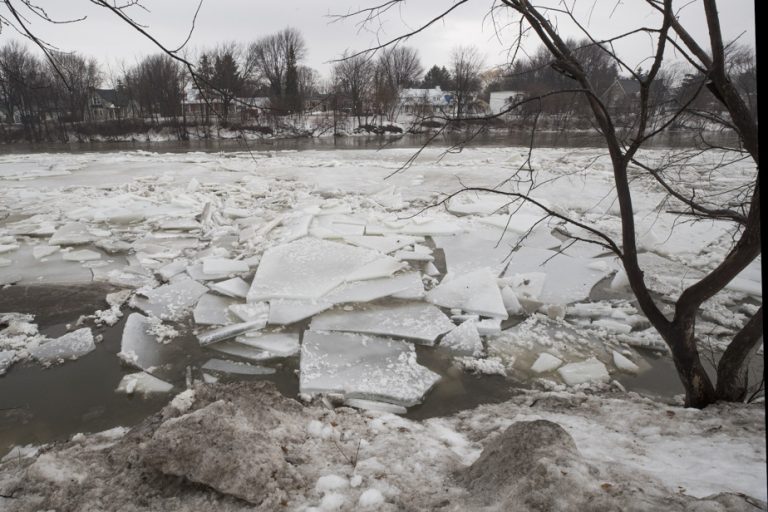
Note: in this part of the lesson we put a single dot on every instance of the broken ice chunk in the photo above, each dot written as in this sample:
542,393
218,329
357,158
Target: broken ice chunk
219,266
372,289
234,287
568,279
224,366
69,346
82,255
139,347
590,370
385,244
623,363
73,233
421,257
464,340
250,312
143,383
477,203
363,367
213,309
171,301
546,363
234,348
41,251
8,248
466,252
281,344
476,292
176,267
612,326
309,268
489,326
230,331
413,320
288,311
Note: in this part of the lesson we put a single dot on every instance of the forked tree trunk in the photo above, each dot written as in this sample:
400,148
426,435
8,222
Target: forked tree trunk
681,339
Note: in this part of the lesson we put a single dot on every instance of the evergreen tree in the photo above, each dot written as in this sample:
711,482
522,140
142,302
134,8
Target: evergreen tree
437,76
293,100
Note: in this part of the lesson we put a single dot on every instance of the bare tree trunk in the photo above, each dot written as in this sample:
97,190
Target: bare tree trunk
732,375
681,339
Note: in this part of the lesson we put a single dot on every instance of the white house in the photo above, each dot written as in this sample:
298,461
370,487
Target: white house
500,100
109,105
424,101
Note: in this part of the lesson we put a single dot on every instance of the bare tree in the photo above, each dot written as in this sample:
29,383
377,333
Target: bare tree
269,58
396,68
465,67
354,79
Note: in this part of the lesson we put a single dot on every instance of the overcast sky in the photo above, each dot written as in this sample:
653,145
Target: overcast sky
112,42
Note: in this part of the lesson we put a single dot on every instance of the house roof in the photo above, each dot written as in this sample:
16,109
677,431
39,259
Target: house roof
113,97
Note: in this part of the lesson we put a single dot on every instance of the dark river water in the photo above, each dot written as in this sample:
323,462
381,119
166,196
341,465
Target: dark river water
576,139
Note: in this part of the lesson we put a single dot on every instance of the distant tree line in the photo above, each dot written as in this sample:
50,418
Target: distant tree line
46,99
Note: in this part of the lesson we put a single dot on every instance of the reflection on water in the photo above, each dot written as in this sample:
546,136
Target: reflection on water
575,139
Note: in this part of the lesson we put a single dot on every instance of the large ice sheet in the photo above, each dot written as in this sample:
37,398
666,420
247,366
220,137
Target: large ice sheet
69,346
466,252
413,320
230,331
477,203
567,279
309,268
235,287
234,348
213,309
475,292
363,367
73,233
171,301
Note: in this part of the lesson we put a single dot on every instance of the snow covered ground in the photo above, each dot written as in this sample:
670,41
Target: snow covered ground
315,255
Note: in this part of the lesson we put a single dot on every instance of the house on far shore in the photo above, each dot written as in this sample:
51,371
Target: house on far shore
424,101
501,100
109,105
210,107
622,93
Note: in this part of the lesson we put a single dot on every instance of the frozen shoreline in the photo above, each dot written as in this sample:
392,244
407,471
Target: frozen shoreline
632,453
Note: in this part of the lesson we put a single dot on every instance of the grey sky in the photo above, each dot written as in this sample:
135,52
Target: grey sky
108,39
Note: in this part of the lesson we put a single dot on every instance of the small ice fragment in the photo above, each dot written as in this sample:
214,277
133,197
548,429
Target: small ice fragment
414,256
224,366
8,248
288,311
213,309
234,348
590,370
234,287
612,326
475,292
430,269
623,363
281,344
371,405
217,266
82,255
143,383
171,301
69,346
511,303
546,363
229,331
41,251
489,326
464,340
